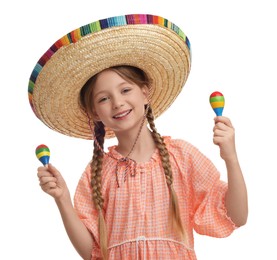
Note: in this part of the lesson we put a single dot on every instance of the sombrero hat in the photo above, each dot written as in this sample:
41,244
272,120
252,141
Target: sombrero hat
151,43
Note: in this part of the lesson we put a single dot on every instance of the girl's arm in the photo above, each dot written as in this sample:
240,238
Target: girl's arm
236,196
76,230
52,182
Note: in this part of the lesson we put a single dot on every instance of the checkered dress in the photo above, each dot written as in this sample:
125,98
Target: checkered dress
136,213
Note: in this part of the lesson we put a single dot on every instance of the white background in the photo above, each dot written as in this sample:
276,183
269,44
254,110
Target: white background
234,50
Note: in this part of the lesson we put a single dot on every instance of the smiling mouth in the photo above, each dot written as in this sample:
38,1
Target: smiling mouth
122,114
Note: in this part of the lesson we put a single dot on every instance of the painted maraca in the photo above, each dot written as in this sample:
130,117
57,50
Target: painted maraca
43,154
217,102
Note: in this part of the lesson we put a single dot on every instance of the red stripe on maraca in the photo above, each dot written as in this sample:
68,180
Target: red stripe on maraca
216,94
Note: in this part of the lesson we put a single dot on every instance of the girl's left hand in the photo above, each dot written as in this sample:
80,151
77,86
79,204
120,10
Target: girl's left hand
224,137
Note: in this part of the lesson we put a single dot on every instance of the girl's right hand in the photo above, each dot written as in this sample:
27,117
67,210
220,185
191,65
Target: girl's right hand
52,182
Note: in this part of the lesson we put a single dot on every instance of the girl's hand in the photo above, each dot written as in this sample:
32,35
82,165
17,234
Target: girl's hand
52,182
224,137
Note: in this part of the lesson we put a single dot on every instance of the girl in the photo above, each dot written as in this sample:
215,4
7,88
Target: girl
143,198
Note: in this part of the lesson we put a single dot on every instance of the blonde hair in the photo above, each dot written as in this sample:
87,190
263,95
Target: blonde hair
137,76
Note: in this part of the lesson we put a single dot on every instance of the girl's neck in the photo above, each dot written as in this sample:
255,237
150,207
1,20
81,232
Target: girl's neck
143,149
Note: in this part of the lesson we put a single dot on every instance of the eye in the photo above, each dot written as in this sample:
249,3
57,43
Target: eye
103,99
126,90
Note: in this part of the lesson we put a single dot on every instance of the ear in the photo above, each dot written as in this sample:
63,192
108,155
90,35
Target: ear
145,92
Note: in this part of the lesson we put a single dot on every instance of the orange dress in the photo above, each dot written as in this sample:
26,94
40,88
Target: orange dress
136,212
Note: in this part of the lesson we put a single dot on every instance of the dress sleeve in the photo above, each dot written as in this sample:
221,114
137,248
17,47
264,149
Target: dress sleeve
86,211
210,214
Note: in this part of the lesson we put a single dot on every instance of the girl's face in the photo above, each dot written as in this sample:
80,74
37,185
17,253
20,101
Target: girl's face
118,103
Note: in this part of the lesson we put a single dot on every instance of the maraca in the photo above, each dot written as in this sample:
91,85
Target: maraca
43,154
217,102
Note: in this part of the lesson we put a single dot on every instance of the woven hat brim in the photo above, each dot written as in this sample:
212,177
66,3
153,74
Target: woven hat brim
157,50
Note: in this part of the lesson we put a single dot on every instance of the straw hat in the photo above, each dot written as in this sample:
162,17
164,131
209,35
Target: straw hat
149,42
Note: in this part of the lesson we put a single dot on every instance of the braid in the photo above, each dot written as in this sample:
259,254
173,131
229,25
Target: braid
174,211
96,168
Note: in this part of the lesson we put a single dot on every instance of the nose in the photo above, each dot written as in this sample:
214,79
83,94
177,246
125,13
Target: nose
117,102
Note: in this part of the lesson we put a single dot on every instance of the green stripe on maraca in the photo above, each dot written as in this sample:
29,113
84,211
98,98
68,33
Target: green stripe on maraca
217,99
